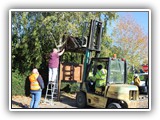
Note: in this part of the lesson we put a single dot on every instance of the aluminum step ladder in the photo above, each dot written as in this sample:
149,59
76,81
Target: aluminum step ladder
51,92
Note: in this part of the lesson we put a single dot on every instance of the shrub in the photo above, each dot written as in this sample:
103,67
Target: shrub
18,83
130,77
75,87
70,87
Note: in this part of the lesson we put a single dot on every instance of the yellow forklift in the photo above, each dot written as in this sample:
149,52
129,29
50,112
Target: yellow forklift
115,94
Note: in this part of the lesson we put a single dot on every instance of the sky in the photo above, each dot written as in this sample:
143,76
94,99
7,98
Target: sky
141,17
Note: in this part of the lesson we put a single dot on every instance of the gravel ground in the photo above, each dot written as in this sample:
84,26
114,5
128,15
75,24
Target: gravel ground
66,101
143,102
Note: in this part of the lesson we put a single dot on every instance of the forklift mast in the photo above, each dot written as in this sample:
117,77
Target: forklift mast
88,45
93,44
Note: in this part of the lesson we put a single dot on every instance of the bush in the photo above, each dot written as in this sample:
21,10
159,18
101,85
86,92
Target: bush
70,87
130,77
18,83
75,87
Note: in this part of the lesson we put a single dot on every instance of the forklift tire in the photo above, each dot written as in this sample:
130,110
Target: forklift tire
114,106
81,100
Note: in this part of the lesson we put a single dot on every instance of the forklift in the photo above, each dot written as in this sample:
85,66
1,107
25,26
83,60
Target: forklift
116,93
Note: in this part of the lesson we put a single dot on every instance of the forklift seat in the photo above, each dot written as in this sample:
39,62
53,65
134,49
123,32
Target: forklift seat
99,90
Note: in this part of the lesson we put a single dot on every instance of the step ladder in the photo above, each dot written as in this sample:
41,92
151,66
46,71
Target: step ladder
51,92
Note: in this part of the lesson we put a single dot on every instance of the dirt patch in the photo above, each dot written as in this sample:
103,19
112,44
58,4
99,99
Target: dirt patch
143,101
66,101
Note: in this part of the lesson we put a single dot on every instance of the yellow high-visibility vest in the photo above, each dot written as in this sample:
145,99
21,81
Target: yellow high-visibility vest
137,81
101,77
34,85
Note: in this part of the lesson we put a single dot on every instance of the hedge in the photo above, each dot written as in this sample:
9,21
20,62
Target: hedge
19,83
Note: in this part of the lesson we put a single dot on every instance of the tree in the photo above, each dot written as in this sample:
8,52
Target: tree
34,34
130,38
26,45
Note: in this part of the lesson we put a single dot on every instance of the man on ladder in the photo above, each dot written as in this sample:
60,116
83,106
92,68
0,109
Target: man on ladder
53,73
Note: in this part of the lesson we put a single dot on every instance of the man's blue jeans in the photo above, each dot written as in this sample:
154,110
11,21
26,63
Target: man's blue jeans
36,97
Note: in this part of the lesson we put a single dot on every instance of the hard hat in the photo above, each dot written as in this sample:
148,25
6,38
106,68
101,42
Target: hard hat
135,75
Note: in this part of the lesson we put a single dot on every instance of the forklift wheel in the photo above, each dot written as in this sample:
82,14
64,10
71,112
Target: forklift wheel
81,100
114,106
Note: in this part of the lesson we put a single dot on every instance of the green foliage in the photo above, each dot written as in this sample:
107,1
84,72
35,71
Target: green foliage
130,77
18,83
70,87
75,87
35,34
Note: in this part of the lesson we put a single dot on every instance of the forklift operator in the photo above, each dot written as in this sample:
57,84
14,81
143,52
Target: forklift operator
100,77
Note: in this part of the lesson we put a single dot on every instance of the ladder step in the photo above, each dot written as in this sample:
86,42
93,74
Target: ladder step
49,95
50,83
52,87
49,89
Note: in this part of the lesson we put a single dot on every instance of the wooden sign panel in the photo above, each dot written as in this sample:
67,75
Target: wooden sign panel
71,72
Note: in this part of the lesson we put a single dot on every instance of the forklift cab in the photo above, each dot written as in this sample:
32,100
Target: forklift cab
116,73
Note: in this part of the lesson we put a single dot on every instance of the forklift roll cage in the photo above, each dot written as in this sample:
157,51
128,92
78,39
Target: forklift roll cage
108,61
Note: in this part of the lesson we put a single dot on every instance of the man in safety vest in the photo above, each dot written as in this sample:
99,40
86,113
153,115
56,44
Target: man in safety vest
36,86
100,77
136,80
